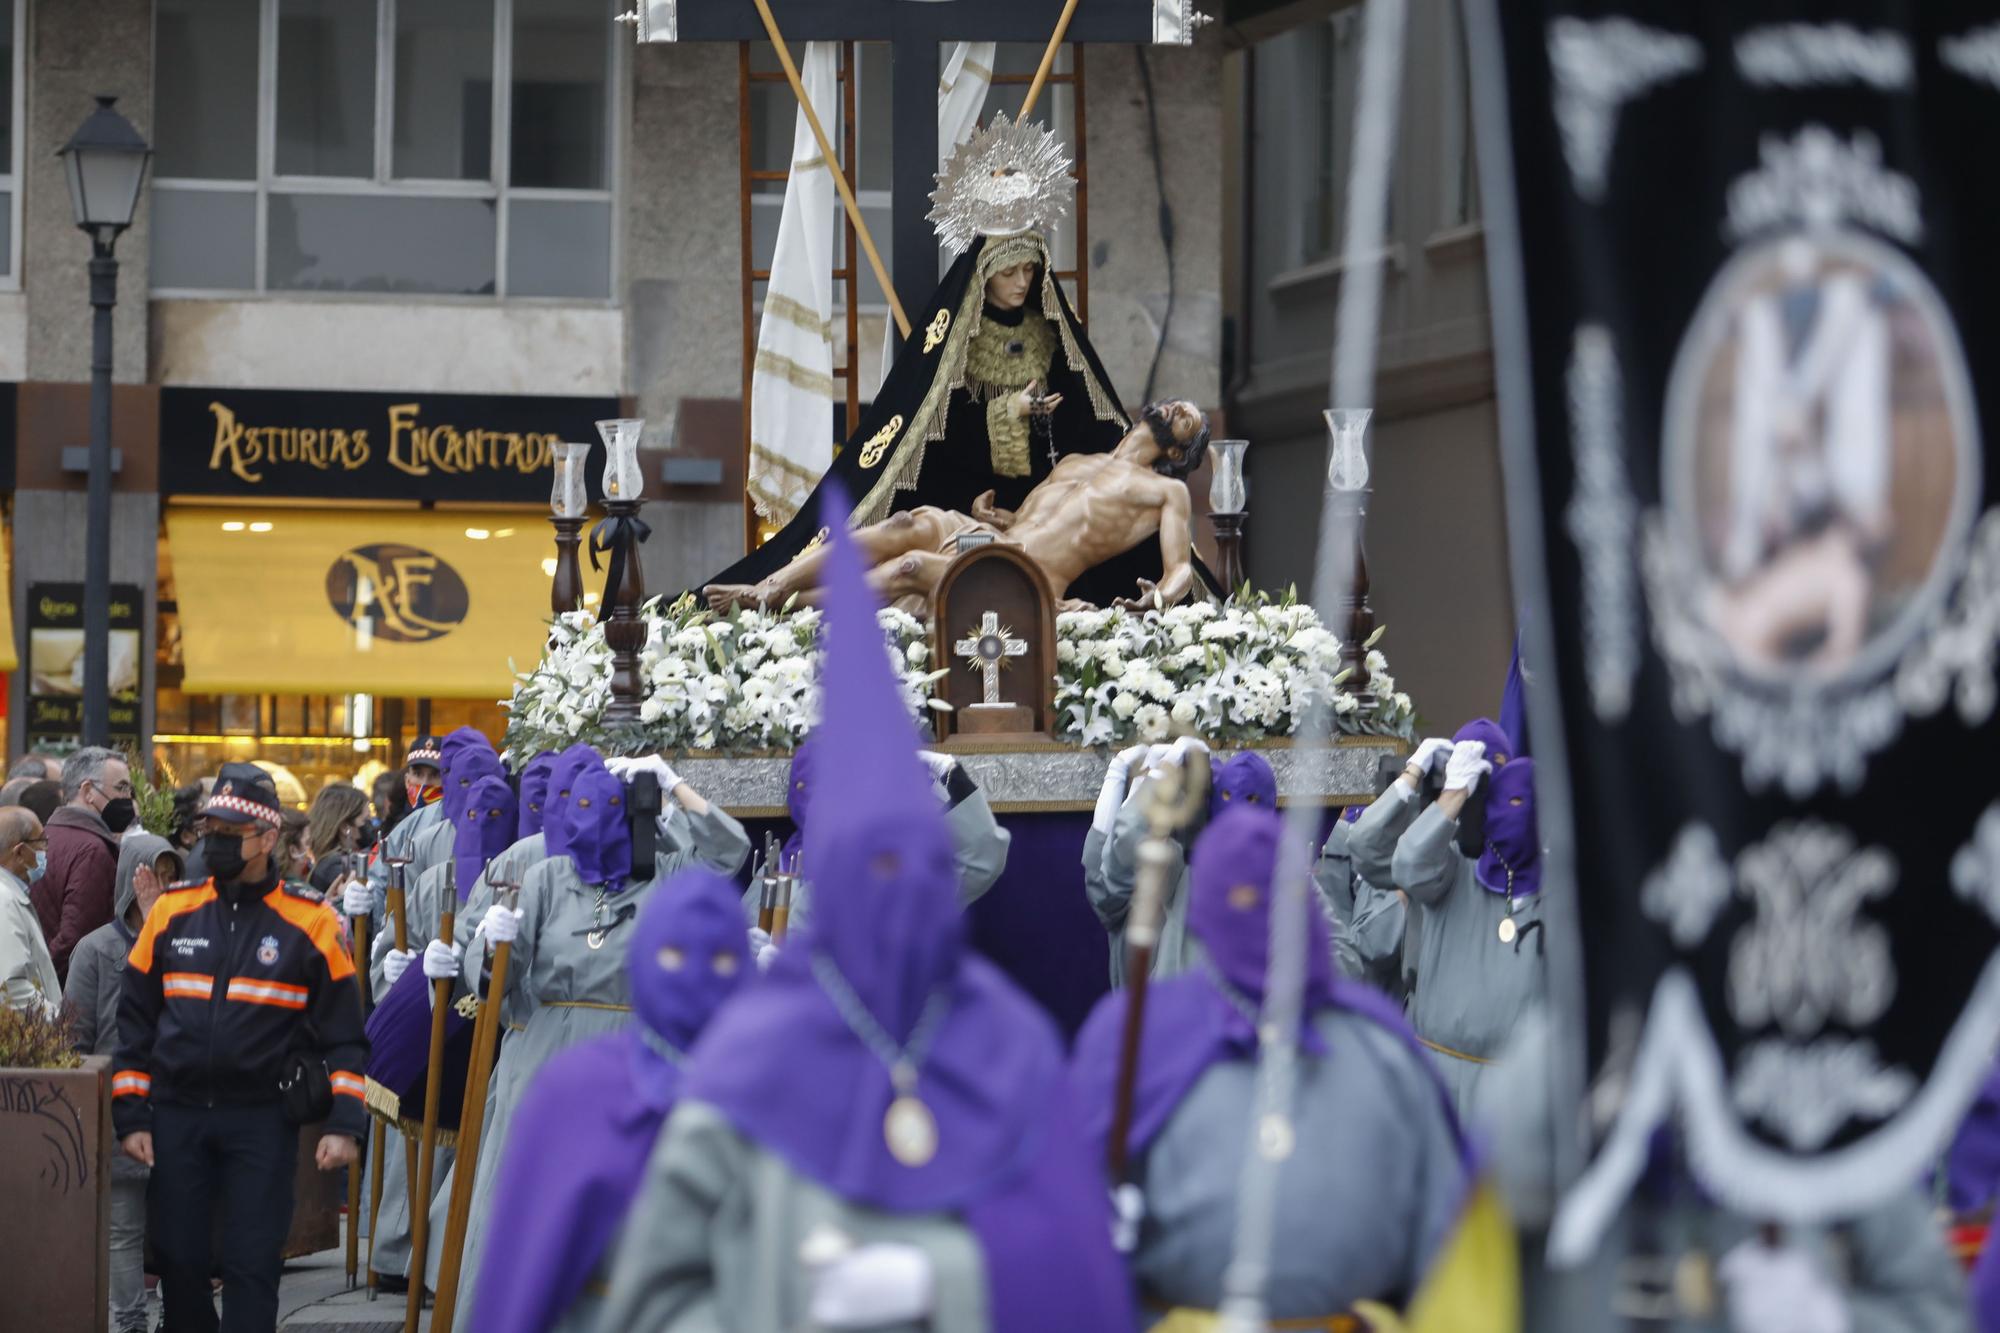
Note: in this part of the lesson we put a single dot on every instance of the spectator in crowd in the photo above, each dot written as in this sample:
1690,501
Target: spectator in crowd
187,812
339,812
74,897
27,975
294,859
44,798
10,792
36,768
146,865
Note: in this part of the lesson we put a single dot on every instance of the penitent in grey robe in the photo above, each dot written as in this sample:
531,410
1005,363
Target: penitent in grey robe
1897,1274
1364,1202
1371,855
1472,988
400,843
714,1242
1117,878
979,852
563,991
424,901
1368,923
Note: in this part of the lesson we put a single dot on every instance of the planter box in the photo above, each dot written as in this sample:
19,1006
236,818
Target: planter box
55,1154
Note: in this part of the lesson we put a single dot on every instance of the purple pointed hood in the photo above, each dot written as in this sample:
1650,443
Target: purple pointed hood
593,830
1499,746
466,763
534,792
886,927
1512,860
485,829
1229,905
587,1123
576,760
1244,779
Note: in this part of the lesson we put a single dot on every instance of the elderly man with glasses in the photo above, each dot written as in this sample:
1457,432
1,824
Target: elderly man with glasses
75,896
27,974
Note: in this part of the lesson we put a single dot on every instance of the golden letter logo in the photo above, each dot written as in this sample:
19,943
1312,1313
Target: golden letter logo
229,443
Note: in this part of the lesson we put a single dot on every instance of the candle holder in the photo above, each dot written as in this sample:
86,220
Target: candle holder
619,536
1227,494
568,501
1347,477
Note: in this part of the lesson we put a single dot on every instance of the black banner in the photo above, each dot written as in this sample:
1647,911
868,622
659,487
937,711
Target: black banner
263,443
55,663
1745,303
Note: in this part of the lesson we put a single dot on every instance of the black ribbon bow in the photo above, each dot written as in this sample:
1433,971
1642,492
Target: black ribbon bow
615,536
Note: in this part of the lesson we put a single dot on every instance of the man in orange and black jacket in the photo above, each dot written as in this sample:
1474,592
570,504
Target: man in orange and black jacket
227,980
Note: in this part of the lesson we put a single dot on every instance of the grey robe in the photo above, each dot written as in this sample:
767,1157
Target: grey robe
400,842
979,852
1368,923
1112,887
713,1242
1472,989
1371,855
1892,1262
1369,1194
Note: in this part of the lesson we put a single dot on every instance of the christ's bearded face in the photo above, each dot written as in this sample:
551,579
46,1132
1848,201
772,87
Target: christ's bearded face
1008,289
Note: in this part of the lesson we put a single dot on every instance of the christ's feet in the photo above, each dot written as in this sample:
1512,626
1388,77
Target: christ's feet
726,597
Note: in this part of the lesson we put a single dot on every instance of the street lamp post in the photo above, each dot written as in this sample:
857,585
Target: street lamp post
106,163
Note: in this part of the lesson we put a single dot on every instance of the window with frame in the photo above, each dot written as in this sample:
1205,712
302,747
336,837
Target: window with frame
427,148
13,31
1459,161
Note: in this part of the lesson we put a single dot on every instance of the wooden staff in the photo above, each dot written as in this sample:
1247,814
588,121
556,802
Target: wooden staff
1170,803
357,927
485,1042
854,217
767,885
380,1143
1048,60
781,910
420,1192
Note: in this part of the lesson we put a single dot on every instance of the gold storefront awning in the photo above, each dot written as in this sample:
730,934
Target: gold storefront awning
410,603
8,661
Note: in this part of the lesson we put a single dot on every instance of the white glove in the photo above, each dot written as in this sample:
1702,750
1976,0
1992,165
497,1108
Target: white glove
767,956
1112,794
877,1284
1180,751
627,769
760,940
395,963
1429,754
501,925
440,960
940,765
1780,1290
357,899
1467,762
1128,1210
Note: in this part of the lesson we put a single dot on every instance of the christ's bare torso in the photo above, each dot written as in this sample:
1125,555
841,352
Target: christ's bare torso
1089,509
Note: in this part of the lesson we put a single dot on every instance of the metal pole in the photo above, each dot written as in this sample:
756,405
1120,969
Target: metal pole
97,525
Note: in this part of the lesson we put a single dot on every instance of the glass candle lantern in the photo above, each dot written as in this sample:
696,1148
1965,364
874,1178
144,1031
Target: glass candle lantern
622,478
1226,490
1347,464
568,497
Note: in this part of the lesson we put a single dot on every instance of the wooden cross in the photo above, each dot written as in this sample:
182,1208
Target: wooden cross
986,651
914,30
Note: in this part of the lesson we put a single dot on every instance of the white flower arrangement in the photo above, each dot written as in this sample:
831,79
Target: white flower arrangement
747,681
1246,670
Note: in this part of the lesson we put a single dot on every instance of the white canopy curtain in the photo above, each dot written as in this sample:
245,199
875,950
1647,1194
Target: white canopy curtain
791,385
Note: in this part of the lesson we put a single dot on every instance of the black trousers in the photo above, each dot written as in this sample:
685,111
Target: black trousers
226,1172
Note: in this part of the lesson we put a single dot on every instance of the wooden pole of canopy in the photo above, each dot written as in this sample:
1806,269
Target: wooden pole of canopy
472,1121
420,1187
380,1141
833,163
1048,60
358,938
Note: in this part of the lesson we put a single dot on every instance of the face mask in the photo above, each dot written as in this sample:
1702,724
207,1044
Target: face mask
41,866
222,853
118,814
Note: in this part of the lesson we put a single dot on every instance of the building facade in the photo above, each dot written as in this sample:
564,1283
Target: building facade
390,252
1436,532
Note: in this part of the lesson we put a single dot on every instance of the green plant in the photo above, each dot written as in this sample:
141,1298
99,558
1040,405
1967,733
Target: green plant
155,803
30,1039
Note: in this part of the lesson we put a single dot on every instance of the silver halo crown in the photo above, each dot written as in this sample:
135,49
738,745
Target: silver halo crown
1008,178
